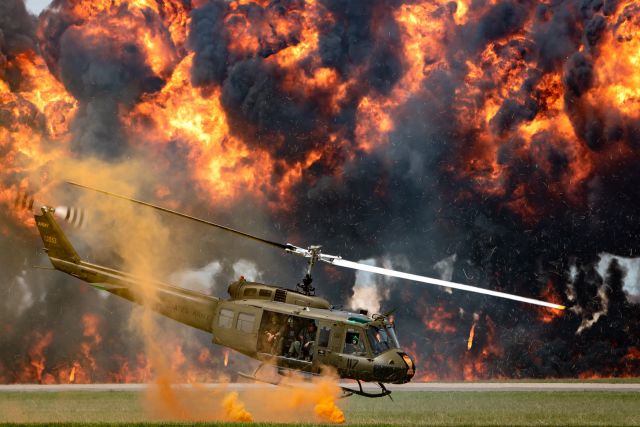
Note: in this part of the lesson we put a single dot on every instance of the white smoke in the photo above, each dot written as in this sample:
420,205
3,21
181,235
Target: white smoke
445,268
248,269
24,290
370,289
365,290
206,279
631,266
588,322
200,280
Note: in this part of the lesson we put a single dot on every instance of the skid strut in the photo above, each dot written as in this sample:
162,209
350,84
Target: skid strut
383,391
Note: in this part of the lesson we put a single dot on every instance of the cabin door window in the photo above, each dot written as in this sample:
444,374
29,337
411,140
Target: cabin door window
323,337
245,322
225,319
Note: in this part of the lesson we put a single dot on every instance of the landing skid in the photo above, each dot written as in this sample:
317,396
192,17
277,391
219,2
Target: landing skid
254,378
282,372
349,391
346,391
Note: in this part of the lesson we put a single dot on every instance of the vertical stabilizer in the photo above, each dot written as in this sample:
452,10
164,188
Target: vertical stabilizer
55,242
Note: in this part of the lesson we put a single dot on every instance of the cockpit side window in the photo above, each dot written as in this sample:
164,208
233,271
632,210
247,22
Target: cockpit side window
354,344
381,339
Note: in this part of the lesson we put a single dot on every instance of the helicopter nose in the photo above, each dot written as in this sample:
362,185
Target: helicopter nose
394,367
411,367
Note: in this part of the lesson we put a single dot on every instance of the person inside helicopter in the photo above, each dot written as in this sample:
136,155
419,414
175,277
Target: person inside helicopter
273,335
353,344
302,347
289,336
382,338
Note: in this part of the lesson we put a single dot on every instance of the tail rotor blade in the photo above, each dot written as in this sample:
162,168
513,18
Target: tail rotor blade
76,217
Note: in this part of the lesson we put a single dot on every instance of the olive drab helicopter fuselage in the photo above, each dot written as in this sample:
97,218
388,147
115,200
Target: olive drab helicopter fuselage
355,345
291,329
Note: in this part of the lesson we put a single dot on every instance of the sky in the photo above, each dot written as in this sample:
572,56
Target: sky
36,6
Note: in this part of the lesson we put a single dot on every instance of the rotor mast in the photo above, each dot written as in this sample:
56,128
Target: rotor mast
305,287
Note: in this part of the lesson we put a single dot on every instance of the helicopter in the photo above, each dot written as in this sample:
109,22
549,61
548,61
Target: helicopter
291,329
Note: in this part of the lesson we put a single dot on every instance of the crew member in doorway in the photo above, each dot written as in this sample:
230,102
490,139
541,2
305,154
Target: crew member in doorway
302,348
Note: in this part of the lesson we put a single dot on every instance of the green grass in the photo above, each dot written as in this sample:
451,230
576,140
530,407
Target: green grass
408,408
629,380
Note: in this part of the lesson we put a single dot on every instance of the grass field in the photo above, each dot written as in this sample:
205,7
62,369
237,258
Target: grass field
408,408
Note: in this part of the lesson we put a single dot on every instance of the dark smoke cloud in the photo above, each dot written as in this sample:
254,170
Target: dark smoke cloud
104,72
352,41
17,35
208,39
287,122
17,27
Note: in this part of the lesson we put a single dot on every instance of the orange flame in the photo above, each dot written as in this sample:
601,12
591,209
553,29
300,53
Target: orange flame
471,335
439,320
547,315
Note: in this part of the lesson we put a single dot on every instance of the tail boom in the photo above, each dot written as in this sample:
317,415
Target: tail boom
191,308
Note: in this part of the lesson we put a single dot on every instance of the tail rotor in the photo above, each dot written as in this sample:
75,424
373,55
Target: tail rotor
76,217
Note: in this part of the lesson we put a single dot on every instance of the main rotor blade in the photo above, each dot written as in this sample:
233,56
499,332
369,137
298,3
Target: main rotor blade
423,279
314,254
202,221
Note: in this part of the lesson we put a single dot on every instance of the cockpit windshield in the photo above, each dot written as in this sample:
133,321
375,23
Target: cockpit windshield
382,339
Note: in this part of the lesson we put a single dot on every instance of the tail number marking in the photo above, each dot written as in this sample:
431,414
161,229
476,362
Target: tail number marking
50,239
351,364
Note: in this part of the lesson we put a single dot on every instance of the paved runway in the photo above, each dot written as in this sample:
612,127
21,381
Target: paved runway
427,387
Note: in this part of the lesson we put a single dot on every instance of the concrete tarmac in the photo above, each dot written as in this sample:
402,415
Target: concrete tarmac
423,387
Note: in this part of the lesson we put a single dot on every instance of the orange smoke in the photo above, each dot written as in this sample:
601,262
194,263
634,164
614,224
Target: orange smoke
168,401
326,408
322,394
234,409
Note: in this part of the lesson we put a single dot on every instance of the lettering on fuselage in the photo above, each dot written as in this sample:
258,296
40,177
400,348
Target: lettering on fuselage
181,309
